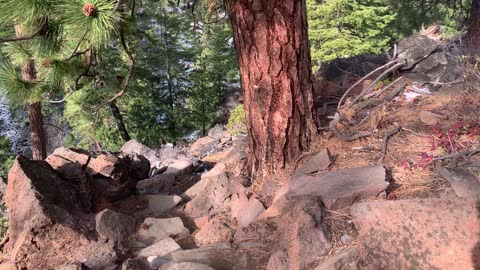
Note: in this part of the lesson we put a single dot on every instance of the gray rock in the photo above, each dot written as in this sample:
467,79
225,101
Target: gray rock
415,49
179,168
156,262
463,183
161,248
218,256
219,132
318,162
338,189
133,147
156,184
114,226
135,264
158,204
153,230
346,239
185,266
203,146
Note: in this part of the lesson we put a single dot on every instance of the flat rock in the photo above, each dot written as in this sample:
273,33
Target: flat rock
185,266
114,226
161,248
318,162
158,204
463,183
179,168
419,234
337,189
153,230
218,256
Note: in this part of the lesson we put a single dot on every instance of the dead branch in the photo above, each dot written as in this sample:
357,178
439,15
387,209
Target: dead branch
342,99
372,85
363,105
385,140
462,154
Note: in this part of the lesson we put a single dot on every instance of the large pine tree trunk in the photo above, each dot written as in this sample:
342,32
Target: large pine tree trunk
473,34
273,52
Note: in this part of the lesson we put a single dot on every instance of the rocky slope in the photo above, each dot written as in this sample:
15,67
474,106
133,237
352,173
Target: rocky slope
193,209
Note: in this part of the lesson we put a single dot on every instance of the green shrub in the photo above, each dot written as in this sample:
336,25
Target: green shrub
237,122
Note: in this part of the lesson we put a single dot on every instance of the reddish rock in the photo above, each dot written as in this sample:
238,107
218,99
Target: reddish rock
419,234
201,221
214,231
43,221
301,237
69,163
245,210
114,226
430,118
319,162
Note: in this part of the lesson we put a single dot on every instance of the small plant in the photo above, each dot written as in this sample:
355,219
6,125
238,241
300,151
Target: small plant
237,122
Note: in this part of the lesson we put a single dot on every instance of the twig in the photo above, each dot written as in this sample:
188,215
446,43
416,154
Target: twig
372,85
131,68
458,154
4,241
387,137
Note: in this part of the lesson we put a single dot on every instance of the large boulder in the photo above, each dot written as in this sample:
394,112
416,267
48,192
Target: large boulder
102,178
419,234
115,226
44,221
203,146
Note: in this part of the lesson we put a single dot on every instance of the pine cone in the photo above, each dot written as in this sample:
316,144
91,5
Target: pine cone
89,9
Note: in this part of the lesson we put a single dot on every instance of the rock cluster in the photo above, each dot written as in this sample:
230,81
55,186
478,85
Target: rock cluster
81,210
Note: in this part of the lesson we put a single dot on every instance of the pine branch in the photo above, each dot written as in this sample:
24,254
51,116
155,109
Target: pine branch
27,37
131,63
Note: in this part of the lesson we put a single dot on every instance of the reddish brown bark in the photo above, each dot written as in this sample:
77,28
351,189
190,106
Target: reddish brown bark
35,116
37,133
271,38
473,34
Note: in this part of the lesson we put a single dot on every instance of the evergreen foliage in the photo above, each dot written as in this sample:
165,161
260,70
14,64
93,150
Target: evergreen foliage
344,28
